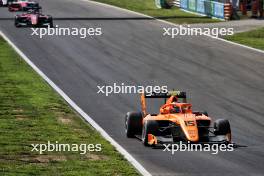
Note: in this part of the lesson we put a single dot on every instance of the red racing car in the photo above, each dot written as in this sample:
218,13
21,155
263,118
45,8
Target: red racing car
22,5
33,18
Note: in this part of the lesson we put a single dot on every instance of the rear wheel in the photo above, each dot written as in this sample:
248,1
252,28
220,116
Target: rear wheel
149,127
222,127
133,124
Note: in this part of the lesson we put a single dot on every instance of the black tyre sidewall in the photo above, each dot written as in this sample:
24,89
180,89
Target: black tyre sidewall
149,127
133,123
222,127
51,24
17,24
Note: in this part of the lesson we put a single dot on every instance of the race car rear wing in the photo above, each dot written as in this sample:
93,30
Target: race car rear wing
178,94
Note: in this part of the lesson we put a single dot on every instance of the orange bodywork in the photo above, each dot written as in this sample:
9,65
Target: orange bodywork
179,113
152,140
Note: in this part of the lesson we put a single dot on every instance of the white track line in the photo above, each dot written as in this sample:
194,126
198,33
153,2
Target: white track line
163,21
119,148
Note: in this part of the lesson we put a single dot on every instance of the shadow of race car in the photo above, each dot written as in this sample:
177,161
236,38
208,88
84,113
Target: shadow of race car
33,18
176,122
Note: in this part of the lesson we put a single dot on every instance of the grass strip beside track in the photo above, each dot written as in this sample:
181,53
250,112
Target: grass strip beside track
254,38
147,7
32,113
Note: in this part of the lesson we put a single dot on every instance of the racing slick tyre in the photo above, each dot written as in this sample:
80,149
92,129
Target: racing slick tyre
222,127
50,20
51,23
133,123
149,127
17,24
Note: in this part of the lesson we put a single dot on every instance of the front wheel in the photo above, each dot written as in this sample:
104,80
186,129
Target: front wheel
133,123
222,127
149,127
17,24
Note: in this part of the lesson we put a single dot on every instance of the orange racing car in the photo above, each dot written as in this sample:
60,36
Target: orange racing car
175,122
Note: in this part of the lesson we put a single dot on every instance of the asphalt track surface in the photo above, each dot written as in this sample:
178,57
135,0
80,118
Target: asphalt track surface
224,79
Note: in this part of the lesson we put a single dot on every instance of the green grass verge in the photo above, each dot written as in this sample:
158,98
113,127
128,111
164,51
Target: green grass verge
30,113
174,15
254,38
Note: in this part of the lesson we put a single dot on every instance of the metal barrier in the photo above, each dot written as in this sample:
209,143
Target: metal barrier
206,7
209,8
